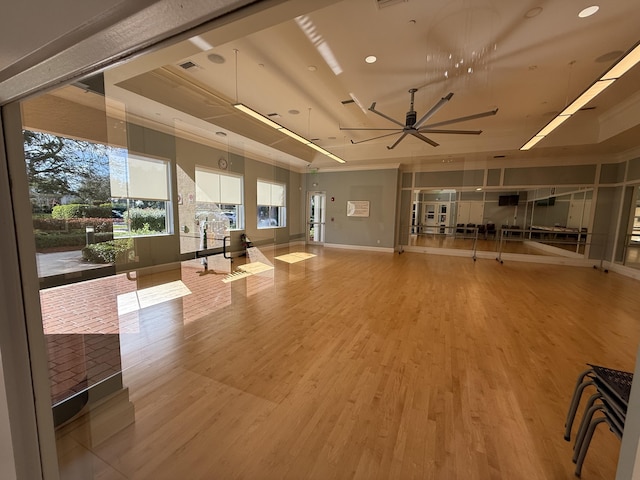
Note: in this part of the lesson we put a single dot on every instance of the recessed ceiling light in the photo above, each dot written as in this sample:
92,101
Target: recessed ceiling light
587,12
371,59
312,68
294,112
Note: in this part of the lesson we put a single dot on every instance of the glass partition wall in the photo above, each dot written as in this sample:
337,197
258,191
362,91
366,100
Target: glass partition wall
143,231
543,221
629,237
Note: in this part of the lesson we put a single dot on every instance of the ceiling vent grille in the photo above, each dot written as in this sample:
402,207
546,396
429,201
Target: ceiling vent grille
388,3
187,65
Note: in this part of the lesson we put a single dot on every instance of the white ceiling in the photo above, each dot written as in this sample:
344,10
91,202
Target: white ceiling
528,59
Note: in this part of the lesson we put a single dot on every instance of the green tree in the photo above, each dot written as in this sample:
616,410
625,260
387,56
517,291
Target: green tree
62,166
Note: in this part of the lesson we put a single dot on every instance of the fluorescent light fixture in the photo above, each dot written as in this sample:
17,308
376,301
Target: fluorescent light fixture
631,58
553,124
620,68
293,135
531,142
593,91
258,116
319,149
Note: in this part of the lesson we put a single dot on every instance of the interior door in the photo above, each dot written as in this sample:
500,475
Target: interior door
317,202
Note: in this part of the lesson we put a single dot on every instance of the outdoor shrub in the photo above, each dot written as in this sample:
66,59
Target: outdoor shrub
55,240
154,218
113,251
78,210
72,224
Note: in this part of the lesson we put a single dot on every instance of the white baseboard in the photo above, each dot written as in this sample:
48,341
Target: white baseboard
622,270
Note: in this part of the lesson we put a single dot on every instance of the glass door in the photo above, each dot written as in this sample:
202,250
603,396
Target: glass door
317,207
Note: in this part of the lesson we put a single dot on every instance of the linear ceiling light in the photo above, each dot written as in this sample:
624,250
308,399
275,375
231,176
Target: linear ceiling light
553,124
531,142
626,63
593,91
631,58
258,116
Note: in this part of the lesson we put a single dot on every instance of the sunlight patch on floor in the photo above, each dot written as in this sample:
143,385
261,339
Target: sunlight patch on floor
148,297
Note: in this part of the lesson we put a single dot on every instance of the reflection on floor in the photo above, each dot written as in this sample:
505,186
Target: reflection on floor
358,364
82,321
79,361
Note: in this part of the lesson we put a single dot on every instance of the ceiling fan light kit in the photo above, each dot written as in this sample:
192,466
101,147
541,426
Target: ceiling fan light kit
418,127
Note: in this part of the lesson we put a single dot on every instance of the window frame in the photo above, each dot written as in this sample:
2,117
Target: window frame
275,211
223,206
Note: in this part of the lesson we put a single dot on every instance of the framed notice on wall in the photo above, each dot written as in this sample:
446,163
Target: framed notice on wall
357,208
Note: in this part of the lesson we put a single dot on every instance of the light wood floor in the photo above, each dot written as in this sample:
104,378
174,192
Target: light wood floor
369,366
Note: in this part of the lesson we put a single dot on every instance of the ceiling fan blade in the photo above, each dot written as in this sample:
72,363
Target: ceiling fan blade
458,132
373,138
372,108
424,139
387,129
433,110
397,141
463,119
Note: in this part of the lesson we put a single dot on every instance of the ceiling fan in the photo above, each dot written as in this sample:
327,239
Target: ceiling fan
417,127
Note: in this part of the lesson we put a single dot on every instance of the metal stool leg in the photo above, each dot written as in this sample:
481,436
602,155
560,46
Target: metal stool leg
586,442
584,425
575,401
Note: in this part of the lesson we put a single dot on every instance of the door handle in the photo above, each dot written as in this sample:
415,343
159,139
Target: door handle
224,248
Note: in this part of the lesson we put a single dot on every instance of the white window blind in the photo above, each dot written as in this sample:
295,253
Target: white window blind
148,179
272,194
138,177
230,190
217,188
207,187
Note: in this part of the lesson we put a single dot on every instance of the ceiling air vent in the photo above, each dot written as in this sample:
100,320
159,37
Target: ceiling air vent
187,65
347,102
388,3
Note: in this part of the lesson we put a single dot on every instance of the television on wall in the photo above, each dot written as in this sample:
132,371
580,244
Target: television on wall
508,200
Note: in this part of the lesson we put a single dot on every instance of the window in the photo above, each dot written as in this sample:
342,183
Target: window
272,210
140,194
219,199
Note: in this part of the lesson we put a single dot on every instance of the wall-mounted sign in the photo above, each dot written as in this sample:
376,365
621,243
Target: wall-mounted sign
357,208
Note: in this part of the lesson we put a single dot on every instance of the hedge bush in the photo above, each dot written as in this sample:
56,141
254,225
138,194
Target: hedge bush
72,224
114,251
79,210
54,240
154,218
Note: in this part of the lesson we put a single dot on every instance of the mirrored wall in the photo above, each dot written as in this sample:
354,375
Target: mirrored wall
541,221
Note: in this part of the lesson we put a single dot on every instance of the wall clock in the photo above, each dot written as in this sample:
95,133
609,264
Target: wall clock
222,163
